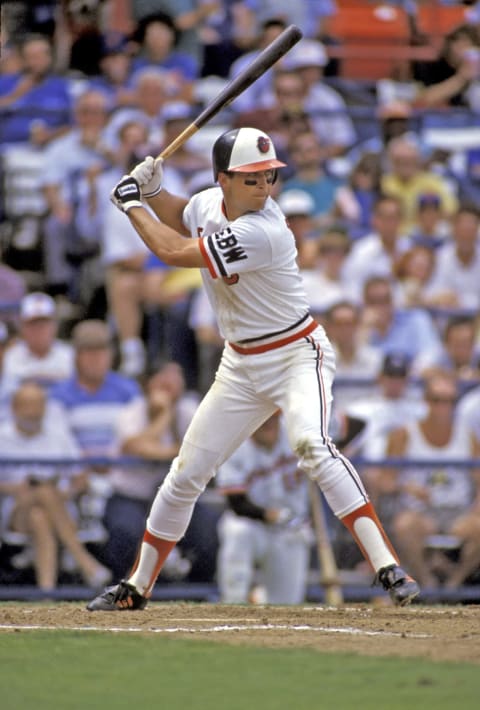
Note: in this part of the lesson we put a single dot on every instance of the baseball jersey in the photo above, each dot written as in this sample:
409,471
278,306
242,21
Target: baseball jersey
251,274
269,477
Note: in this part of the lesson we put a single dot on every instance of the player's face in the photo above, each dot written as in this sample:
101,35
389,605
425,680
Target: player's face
246,192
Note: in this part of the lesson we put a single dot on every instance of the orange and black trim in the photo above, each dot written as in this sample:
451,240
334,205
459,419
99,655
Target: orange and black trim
278,339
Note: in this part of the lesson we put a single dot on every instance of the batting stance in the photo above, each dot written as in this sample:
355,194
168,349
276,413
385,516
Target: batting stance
275,357
266,523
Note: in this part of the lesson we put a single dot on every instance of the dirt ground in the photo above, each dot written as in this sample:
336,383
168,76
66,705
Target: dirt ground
437,632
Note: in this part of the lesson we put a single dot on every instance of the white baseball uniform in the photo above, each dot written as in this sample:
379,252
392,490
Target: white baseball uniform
269,478
276,357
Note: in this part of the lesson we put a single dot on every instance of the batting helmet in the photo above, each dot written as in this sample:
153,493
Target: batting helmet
244,150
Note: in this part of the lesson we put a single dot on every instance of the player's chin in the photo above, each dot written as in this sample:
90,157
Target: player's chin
259,201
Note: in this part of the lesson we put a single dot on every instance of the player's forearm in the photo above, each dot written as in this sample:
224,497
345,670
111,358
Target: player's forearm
161,239
169,209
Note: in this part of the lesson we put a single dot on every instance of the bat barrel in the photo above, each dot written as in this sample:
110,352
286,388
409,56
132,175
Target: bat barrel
265,60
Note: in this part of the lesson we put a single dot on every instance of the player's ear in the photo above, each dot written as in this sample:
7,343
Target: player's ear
224,179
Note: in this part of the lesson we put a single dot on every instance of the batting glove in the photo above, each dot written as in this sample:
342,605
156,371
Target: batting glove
149,175
126,194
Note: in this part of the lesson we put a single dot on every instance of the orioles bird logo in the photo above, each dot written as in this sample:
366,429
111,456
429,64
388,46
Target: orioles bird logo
263,144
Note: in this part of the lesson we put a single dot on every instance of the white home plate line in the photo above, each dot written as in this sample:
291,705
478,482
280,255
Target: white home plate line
214,629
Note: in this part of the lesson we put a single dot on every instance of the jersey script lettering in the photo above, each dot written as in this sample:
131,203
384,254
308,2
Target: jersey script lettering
227,243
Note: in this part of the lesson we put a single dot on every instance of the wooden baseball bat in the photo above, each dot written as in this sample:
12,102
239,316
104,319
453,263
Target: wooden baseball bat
267,58
328,566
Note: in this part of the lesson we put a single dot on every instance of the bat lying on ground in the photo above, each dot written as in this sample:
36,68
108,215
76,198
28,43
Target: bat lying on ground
266,59
328,566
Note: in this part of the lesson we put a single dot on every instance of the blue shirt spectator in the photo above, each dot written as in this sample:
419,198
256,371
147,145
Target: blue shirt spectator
34,103
411,332
95,395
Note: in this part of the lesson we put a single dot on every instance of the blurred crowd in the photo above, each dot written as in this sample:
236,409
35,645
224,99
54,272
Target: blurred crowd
105,351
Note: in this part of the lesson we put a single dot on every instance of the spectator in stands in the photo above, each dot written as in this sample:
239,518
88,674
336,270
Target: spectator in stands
437,499
451,78
254,97
355,200
298,207
151,429
460,353
227,32
92,400
430,228
265,525
411,332
38,498
12,290
326,107
308,158
354,357
38,355
312,18
362,424
375,253
25,17
115,70
208,341
187,15
35,104
280,111
80,35
64,161
469,410
407,179
149,97
323,277
457,273
5,339
123,254
177,115
413,271
391,403
168,293
157,37
389,120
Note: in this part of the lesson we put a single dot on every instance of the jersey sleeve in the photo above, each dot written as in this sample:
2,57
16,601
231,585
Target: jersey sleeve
242,246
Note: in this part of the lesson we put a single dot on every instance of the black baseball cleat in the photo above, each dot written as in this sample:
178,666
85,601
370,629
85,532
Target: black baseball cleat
120,597
402,588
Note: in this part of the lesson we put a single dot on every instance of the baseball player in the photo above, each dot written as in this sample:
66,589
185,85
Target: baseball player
275,357
266,522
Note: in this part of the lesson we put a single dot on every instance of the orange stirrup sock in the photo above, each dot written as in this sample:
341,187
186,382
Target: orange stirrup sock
370,536
153,553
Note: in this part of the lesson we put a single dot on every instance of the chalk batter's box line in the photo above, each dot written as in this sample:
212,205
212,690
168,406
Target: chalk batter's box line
348,630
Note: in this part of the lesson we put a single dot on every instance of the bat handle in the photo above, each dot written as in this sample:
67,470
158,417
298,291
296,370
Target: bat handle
179,140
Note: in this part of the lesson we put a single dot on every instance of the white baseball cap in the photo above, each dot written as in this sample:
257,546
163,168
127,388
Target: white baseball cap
37,305
296,202
306,53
